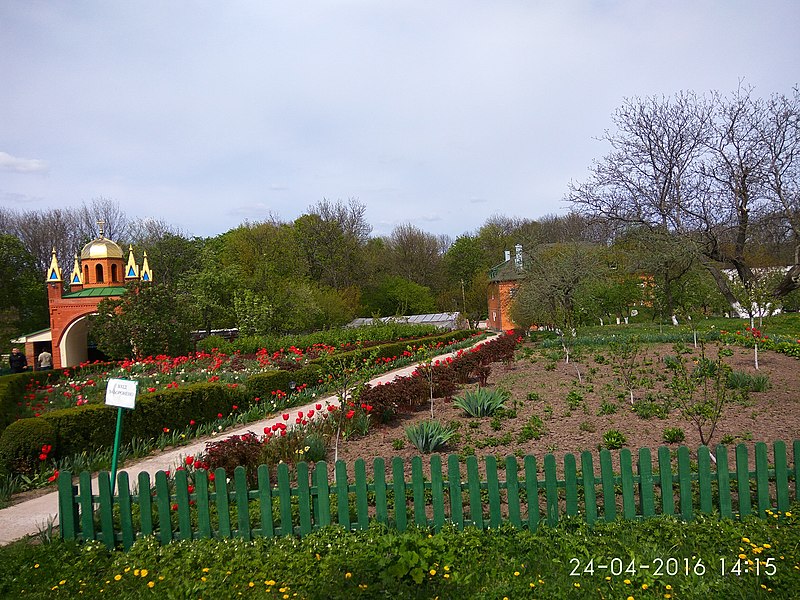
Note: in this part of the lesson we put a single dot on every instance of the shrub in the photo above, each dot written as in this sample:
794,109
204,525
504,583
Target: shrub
481,402
533,396
674,435
574,399
532,430
647,409
739,380
614,439
21,444
238,450
586,426
429,436
607,408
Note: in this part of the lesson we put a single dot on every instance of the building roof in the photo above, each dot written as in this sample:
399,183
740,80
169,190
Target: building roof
426,319
97,292
101,248
506,271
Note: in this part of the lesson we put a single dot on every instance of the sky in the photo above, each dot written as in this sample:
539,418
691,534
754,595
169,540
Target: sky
438,113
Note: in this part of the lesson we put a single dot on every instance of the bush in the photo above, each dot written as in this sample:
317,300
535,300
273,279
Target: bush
613,439
674,435
238,450
429,436
481,402
532,430
21,444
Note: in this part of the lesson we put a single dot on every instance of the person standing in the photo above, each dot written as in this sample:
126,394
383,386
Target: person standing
45,360
17,361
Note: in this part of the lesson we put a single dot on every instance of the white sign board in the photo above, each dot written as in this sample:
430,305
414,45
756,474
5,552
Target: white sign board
121,393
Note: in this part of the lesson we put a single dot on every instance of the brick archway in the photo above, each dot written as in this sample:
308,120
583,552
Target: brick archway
73,345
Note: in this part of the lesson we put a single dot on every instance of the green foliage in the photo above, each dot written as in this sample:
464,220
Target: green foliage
607,408
21,444
673,435
481,401
648,408
614,439
574,399
429,436
23,296
396,295
534,429
149,319
379,562
740,380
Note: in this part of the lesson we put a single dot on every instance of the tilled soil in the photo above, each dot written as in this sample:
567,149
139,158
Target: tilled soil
540,386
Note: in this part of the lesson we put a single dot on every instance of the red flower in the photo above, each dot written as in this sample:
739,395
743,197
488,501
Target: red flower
219,415
235,407
191,422
43,456
319,406
151,389
285,416
190,489
166,430
53,477
350,414
175,506
310,413
211,476
189,460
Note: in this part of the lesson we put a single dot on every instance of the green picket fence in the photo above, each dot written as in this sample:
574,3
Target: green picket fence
191,506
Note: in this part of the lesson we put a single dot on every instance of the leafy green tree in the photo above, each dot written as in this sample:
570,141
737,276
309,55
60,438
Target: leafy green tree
23,299
150,319
398,296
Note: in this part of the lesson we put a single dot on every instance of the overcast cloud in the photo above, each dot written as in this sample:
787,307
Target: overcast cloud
439,113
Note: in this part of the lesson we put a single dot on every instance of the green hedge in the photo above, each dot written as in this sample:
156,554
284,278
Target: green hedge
92,426
13,387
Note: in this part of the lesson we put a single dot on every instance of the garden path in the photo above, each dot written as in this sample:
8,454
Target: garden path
35,515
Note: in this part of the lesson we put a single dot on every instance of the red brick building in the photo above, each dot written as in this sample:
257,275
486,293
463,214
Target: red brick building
504,281
99,273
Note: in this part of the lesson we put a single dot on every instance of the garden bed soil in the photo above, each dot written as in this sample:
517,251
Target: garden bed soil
766,416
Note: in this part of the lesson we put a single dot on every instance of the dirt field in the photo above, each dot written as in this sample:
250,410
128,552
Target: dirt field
541,386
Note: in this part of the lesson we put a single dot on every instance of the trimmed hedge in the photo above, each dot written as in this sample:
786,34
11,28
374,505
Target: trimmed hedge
21,444
14,386
92,426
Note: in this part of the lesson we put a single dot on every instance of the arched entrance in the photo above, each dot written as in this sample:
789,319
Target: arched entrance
74,347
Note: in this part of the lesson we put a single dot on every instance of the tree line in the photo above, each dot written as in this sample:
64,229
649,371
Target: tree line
694,209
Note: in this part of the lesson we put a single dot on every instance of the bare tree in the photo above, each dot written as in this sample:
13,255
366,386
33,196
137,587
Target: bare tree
705,169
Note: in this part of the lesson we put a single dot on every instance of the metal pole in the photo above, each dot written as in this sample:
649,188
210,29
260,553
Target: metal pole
115,454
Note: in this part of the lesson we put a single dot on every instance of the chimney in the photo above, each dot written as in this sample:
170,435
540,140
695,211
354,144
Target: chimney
518,257
507,255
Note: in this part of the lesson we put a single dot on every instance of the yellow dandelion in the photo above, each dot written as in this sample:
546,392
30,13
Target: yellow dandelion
446,568
668,586
127,569
432,572
136,572
161,578
746,540
644,586
348,575
270,582
667,595
151,584
447,575
117,577
630,597
516,573
36,566
627,582
531,584
206,569
608,578
788,514
251,584
576,584
62,582
763,586
203,578
144,572
742,556
767,546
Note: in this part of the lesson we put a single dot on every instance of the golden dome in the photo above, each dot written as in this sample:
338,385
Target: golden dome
101,248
